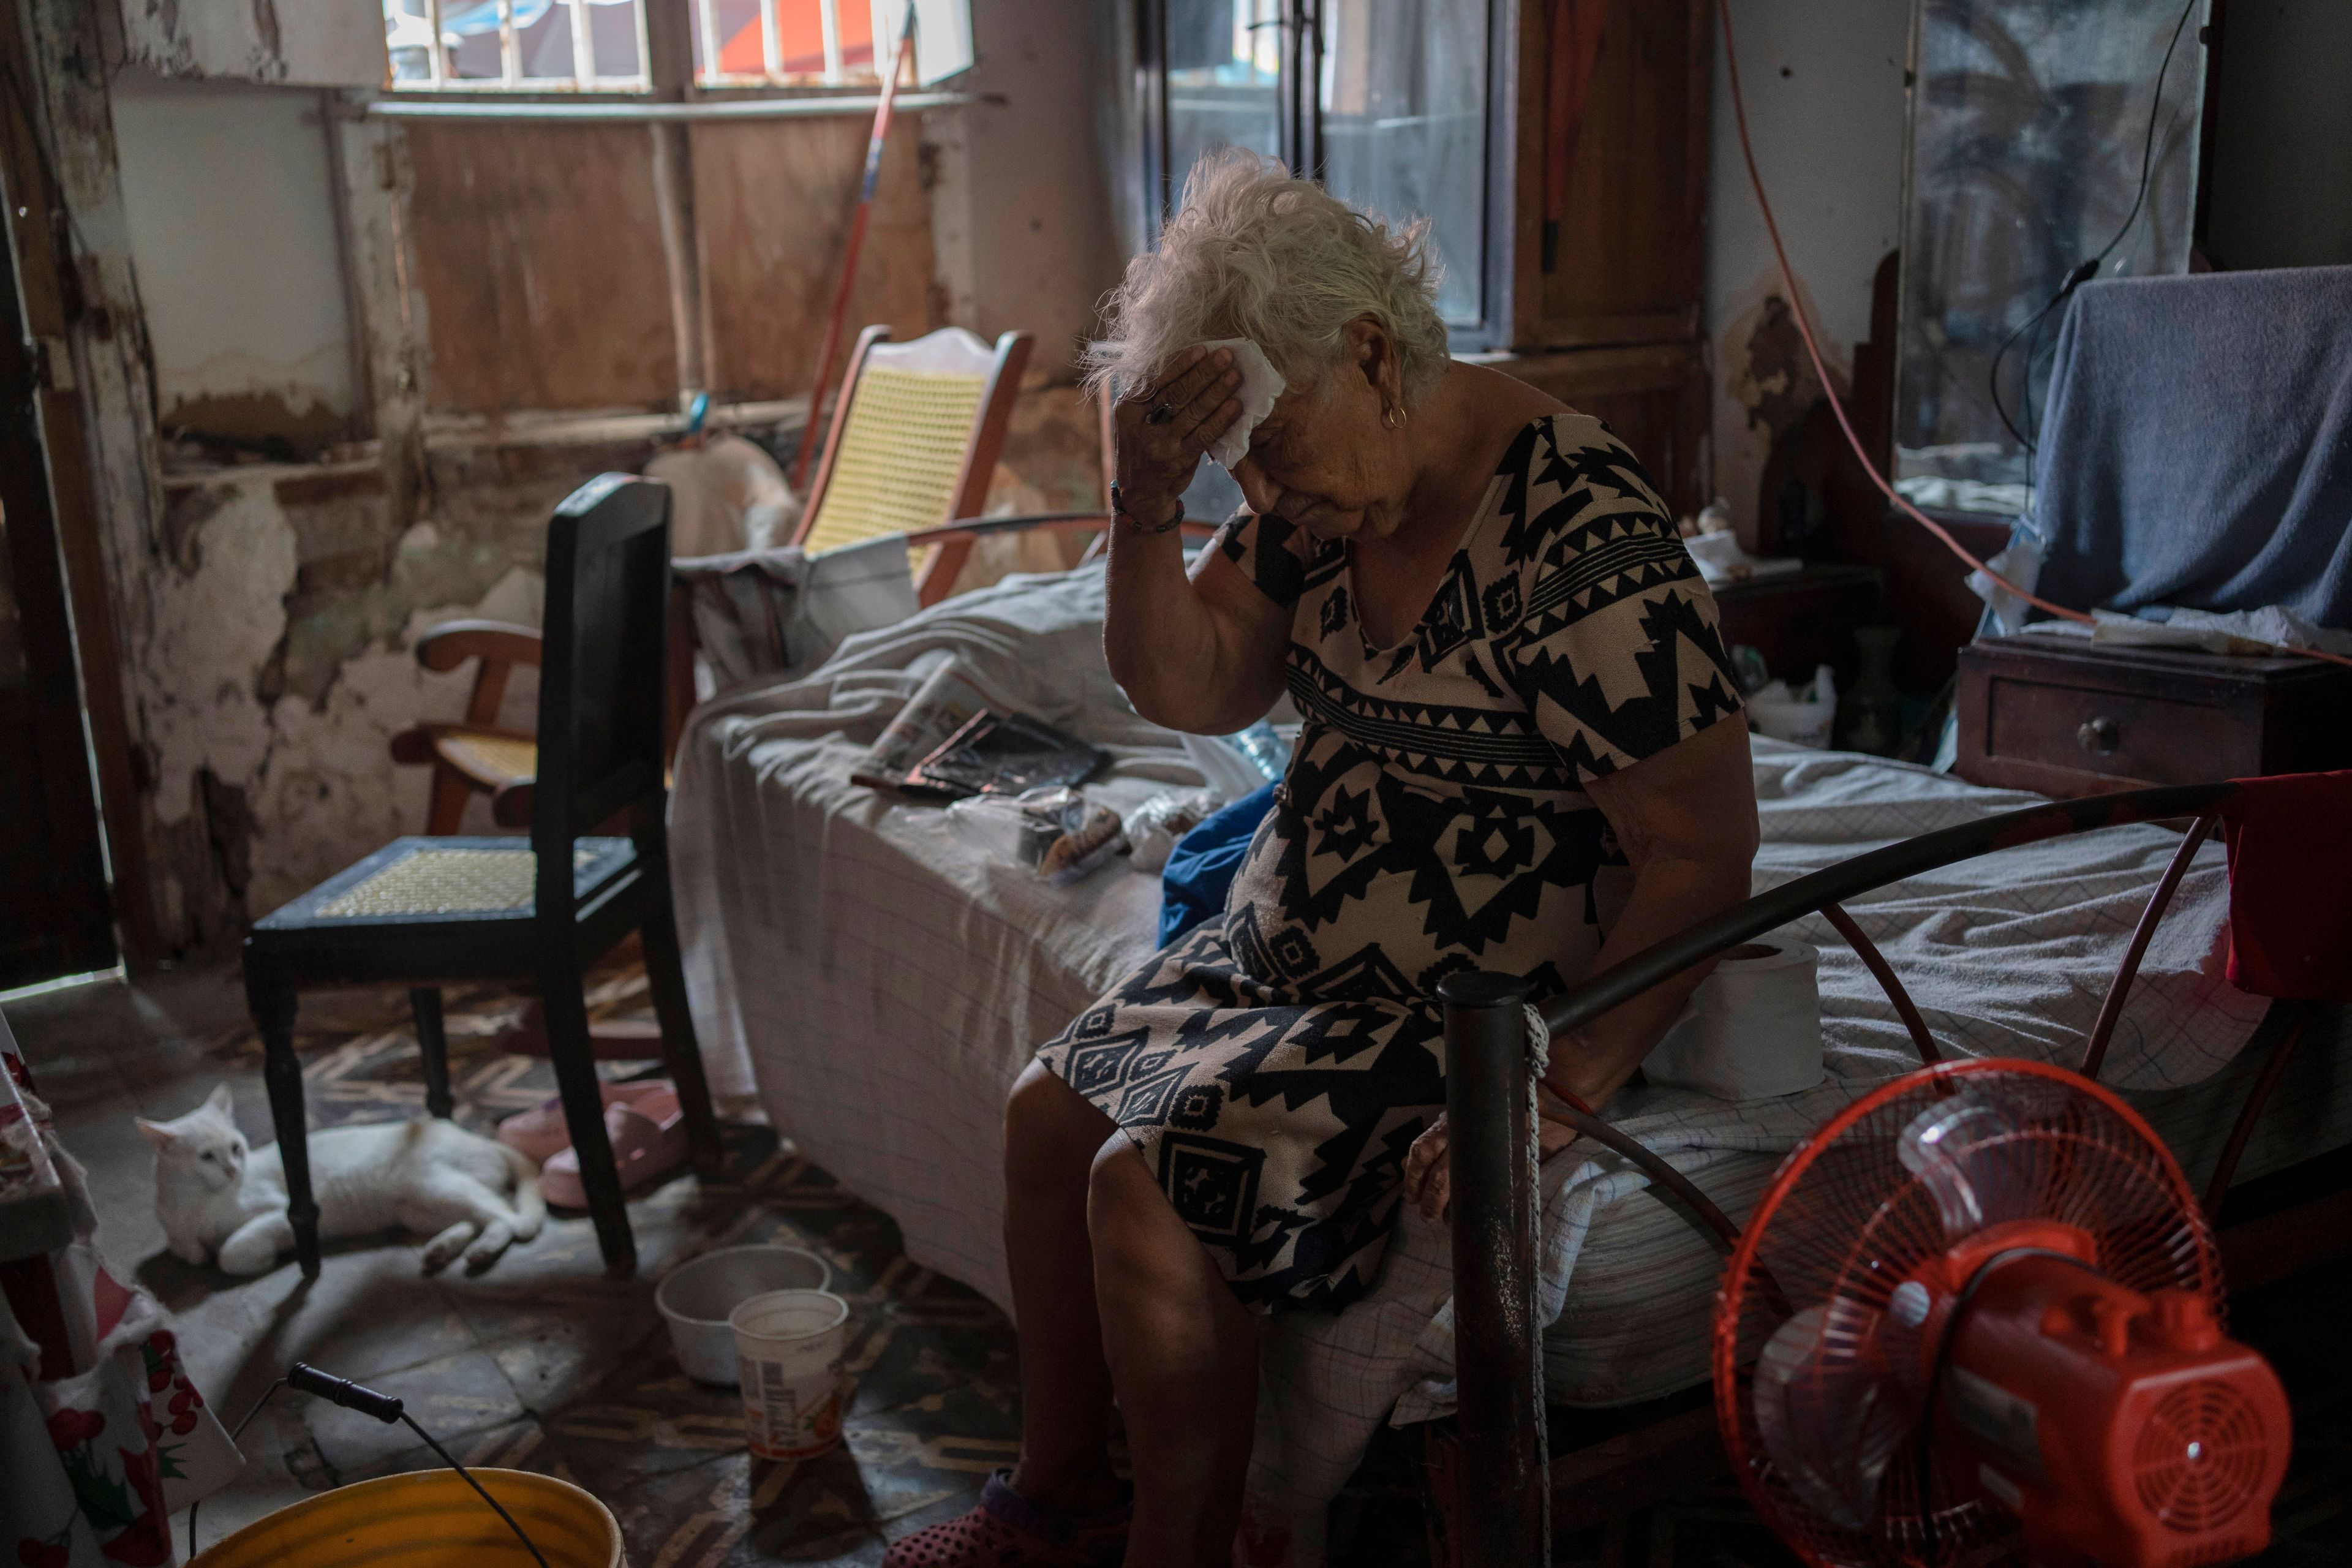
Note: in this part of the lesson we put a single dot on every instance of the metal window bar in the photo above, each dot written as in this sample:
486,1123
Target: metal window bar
707,19
583,44
828,17
509,47
436,56
772,47
1497,1336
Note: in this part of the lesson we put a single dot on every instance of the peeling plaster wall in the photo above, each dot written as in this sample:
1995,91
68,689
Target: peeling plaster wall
278,658
273,678
231,210
1823,81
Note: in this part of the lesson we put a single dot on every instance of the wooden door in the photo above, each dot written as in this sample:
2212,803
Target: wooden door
54,914
1630,261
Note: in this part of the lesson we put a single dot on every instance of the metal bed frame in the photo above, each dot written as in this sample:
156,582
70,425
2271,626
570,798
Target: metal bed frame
1491,1472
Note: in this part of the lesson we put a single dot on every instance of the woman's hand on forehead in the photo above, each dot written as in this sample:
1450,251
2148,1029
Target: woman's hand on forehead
1161,429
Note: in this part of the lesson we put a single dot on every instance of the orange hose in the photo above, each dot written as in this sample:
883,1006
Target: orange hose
1837,405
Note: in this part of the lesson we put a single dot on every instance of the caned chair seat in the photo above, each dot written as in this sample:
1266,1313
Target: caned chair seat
490,758
420,878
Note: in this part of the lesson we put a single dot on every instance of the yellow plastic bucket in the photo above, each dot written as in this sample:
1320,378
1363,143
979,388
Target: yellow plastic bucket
429,1518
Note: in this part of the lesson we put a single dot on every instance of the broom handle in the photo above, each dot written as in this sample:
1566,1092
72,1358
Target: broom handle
831,348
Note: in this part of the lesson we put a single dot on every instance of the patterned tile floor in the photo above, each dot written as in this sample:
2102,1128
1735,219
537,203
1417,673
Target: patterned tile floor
542,1363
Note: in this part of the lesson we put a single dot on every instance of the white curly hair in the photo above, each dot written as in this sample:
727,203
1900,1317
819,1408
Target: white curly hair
1256,252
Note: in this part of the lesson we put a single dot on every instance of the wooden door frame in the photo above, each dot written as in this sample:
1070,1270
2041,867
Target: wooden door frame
43,260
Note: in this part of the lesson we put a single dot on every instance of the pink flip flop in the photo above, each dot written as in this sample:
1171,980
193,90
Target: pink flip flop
541,1132
648,1136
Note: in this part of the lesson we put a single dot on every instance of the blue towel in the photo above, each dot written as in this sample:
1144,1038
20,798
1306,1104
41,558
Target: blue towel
2198,451
1201,867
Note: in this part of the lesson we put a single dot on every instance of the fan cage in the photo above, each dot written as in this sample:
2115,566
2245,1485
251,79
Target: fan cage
1844,1217
2199,1460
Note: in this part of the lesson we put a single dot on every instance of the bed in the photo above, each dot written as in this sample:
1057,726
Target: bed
878,982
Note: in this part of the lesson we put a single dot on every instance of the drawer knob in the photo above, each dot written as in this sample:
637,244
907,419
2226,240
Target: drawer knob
2099,736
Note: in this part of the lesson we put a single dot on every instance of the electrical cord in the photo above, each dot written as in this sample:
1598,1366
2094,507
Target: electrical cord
367,1402
2086,271
1837,404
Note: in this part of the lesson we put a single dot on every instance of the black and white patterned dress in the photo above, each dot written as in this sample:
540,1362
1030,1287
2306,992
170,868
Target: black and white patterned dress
1274,1067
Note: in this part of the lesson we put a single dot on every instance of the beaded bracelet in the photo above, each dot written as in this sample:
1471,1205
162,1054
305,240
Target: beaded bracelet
1119,508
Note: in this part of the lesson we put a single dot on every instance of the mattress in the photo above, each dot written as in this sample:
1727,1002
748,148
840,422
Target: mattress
878,980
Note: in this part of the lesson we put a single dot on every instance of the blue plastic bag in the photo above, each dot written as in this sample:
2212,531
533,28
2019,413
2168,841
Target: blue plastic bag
1201,867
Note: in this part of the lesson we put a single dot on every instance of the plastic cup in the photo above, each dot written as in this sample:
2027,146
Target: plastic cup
788,1346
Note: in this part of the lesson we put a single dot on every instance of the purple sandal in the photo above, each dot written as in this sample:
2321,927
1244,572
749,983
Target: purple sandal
1008,1531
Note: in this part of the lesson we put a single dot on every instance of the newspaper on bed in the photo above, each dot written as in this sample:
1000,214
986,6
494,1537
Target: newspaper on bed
945,703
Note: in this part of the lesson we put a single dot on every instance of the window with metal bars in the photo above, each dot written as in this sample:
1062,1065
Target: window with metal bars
1392,104
786,43
517,46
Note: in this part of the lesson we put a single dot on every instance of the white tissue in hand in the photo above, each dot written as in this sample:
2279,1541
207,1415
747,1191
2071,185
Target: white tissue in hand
1261,384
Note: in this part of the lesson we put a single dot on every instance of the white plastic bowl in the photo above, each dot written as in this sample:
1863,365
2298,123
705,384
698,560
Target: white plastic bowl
699,1293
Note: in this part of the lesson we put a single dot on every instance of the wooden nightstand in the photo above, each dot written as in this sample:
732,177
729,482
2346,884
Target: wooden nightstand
2067,718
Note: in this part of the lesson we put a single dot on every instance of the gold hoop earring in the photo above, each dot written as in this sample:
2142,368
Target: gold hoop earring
1393,416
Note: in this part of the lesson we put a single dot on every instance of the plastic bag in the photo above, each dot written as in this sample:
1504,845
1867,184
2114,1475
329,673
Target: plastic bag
1055,831
1153,827
1016,829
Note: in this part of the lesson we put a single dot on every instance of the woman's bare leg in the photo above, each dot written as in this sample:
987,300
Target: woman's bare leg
1183,1357
1051,1134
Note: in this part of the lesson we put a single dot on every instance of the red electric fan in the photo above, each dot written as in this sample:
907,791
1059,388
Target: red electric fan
1981,1307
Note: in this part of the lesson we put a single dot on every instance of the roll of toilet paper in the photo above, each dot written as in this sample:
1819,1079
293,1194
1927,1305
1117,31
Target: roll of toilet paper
1752,1029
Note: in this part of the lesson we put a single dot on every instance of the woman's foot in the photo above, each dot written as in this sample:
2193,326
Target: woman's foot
1007,1530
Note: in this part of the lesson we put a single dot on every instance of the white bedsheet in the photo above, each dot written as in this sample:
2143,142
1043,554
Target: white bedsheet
881,983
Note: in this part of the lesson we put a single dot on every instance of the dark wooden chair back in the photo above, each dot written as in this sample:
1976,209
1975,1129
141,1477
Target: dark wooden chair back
601,672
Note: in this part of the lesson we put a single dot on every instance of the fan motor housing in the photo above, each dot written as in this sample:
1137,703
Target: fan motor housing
2122,1429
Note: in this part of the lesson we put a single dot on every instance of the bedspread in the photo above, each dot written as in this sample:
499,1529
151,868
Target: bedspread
880,982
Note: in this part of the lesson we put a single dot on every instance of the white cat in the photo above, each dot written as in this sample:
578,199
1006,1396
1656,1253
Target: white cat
427,1175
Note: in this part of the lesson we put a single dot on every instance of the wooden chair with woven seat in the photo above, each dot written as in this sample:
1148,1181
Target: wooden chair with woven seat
424,912
474,755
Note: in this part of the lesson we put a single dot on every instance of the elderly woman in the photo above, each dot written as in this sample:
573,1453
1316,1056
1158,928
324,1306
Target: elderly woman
1522,752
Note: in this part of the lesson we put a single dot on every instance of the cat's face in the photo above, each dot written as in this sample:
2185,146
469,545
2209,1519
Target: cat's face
204,1147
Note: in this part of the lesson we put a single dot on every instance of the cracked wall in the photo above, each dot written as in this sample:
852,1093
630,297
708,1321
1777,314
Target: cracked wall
277,663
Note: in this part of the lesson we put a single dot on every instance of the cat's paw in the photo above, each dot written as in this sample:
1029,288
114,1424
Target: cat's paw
245,1261
444,1249
488,1247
